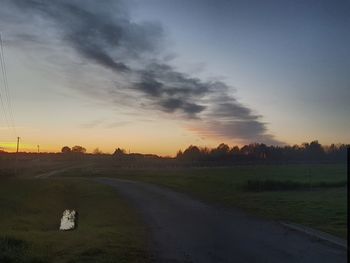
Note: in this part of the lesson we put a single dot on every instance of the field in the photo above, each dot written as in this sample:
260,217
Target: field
109,231
312,195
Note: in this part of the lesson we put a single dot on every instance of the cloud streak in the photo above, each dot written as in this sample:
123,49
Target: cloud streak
103,34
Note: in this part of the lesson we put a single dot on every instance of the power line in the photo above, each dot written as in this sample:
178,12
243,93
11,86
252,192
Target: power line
6,86
1,98
8,93
1,95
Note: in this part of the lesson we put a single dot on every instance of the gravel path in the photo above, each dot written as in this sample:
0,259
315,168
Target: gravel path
186,230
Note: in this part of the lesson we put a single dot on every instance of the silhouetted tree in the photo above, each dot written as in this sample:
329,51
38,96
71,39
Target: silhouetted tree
66,149
261,153
179,154
220,153
192,153
119,152
97,151
78,149
234,150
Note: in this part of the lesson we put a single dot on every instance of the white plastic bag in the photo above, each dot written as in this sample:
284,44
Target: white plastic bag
68,220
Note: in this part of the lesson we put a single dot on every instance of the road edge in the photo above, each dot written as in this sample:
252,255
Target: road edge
319,235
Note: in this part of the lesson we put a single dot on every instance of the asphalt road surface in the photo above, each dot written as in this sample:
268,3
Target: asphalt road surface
186,230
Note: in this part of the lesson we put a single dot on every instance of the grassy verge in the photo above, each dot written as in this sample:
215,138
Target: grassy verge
279,185
108,230
314,196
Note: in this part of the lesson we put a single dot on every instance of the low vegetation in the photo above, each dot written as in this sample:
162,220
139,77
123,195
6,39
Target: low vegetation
313,195
108,231
278,185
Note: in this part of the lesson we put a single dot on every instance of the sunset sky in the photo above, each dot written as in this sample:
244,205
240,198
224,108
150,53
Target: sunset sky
155,76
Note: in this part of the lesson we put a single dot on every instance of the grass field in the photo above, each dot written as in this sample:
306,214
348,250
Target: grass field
31,209
312,195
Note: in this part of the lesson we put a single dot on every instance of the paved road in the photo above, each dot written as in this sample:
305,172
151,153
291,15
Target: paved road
186,230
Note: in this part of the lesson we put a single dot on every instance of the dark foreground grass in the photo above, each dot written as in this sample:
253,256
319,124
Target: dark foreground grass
279,185
108,231
312,195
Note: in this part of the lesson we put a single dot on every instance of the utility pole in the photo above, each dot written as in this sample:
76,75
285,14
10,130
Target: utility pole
39,165
18,138
16,161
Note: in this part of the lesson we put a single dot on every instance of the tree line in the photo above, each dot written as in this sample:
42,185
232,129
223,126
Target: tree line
312,152
223,154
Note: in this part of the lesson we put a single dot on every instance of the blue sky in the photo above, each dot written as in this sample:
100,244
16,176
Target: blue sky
290,60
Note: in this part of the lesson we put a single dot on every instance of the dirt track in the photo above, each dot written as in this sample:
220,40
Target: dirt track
186,230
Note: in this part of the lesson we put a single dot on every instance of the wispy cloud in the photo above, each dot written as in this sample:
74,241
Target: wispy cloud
104,35
91,124
103,123
117,124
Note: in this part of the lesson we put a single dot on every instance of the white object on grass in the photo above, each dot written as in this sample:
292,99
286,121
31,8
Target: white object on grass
68,220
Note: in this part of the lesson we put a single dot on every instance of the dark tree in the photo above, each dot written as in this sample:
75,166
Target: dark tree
78,149
221,152
312,152
119,152
192,154
179,154
66,149
97,151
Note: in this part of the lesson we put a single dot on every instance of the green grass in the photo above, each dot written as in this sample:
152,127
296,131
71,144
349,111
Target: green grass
280,185
312,195
108,230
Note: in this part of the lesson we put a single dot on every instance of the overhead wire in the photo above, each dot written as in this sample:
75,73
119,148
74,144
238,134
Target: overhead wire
4,112
8,113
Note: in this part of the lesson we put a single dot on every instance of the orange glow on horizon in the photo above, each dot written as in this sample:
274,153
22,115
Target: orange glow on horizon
12,147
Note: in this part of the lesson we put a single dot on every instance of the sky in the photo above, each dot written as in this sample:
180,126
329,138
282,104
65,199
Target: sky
155,76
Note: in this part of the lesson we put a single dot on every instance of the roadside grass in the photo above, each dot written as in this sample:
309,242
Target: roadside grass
279,185
311,195
323,209
108,231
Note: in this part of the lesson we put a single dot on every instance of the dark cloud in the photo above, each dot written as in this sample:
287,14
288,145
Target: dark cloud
239,131
102,33
233,129
171,105
150,86
232,110
173,90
